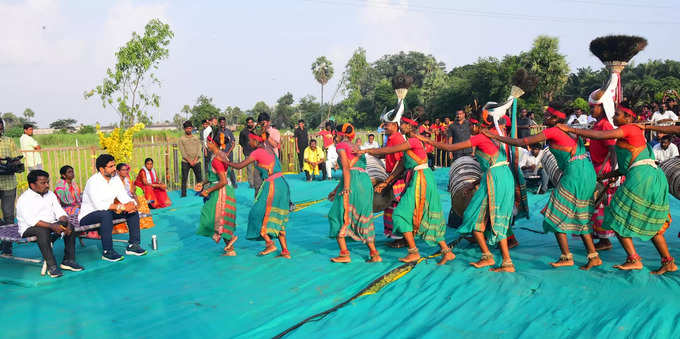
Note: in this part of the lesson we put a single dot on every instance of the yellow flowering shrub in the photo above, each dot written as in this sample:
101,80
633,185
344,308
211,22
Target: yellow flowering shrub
119,142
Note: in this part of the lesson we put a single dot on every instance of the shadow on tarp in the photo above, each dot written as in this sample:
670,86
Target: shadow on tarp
196,292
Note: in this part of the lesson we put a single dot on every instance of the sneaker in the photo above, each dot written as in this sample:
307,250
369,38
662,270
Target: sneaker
71,265
54,272
135,249
112,256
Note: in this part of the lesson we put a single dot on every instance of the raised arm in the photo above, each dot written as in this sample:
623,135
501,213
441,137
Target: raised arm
388,150
530,140
444,146
597,135
235,165
663,129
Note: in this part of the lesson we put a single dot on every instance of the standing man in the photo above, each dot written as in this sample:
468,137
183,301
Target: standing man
301,142
8,185
391,160
207,130
39,214
523,124
459,131
99,207
254,178
190,147
227,143
273,142
29,146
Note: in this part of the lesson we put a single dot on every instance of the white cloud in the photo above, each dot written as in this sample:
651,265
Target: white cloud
390,27
32,33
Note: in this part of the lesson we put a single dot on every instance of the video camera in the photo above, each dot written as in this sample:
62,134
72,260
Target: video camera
10,166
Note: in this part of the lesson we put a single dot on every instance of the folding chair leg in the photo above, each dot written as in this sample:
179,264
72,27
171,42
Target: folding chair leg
44,268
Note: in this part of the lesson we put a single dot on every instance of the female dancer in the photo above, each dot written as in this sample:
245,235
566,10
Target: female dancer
569,209
419,211
351,213
269,215
154,190
640,205
218,215
489,213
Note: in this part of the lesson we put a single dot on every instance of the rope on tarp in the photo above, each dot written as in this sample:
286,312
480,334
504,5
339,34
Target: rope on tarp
374,287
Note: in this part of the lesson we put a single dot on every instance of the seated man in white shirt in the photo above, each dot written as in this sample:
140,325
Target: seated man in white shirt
99,206
40,215
665,149
371,143
531,166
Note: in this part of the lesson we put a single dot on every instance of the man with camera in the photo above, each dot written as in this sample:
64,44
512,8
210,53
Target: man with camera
8,182
40,215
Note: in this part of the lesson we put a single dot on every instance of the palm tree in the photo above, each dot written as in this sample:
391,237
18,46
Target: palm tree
322,69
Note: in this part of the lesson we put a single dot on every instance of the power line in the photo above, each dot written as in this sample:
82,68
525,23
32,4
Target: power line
484,14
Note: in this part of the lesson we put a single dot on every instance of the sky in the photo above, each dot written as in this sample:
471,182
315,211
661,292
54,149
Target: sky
241,52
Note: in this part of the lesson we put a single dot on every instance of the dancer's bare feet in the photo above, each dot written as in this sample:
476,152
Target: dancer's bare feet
343,257
593,261
504,267
633,262
284,254
485,260
229,253
667,265
603,245
230,243
564,260
269,249
447,255
412,256
375,257
216,237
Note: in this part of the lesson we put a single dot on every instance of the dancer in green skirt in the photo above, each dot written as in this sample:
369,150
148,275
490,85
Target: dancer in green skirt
218,215
489,213
419,211
640,206
269,215
569,209
352,210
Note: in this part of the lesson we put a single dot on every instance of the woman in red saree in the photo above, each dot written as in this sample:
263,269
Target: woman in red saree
154,191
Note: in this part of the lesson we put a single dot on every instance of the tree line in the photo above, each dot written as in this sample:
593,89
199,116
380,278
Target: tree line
367,90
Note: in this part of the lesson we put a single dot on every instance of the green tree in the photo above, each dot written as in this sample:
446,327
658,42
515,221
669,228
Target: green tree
310,110
202,110
545,61
178,120
64,125
87,129
416,64
283,113
28,114
127,87
10,119
322,69
259,108
234,115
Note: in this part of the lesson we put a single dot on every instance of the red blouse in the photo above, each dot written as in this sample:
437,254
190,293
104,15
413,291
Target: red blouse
558,137
484,144
391,160
347,148
633,135
599,148
263,157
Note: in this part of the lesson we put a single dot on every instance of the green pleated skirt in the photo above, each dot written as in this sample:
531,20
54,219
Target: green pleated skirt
420,210
352,215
